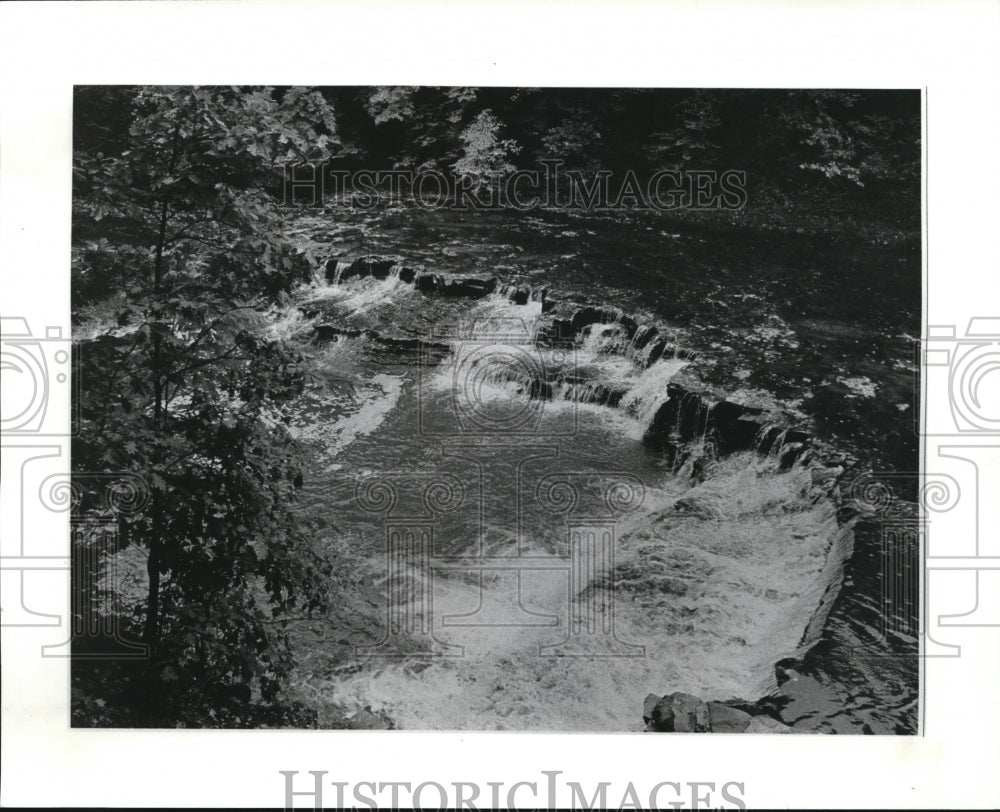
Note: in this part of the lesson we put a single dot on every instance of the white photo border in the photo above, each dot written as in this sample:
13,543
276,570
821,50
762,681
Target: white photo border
949,51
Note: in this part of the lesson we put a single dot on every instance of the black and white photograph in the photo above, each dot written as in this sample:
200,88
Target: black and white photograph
543,405
546,409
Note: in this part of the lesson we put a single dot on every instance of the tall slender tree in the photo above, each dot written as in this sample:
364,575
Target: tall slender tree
188,390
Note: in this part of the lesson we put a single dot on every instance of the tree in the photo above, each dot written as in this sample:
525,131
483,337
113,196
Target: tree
419,126
190,394
485,154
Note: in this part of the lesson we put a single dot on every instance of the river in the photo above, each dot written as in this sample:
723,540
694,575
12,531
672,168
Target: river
516,549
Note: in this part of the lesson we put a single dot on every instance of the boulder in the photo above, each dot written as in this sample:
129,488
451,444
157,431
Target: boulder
519,296
588,315
366,720
681,713
426,282
765,724
725,719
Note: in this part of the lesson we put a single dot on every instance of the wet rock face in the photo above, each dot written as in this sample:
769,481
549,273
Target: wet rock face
689,415
684,713
469,287
376,266
472,287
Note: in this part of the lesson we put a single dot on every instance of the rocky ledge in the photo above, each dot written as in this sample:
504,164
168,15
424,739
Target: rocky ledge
685,713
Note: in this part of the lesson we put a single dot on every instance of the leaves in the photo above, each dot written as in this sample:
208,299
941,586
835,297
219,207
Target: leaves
485,153
173,213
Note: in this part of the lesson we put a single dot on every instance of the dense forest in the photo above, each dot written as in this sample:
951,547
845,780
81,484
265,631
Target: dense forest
182,251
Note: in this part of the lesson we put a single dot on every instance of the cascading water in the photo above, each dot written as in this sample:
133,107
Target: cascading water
713,578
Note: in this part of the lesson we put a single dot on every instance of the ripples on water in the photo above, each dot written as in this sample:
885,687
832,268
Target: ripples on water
717,575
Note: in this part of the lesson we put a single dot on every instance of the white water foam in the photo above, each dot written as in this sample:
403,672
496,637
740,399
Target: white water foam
717,587
643,400
712,587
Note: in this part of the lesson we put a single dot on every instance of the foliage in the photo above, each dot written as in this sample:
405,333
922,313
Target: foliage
173,220
830,154
484,153
694,139
422,123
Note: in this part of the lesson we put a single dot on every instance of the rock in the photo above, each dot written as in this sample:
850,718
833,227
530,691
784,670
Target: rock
379,267
690,714
663,716
823,475
426,282
473,287
789,454
643,335
366,720
562,330
649,706
629,324
725,719
681,713
656,351
331,268
765,724
588,315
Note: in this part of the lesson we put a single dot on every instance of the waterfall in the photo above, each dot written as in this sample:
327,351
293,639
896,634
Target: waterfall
338,271
644,399
603,339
